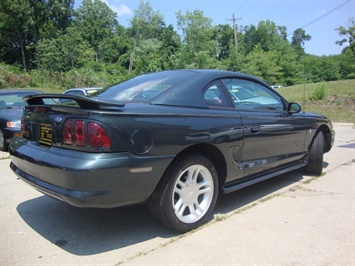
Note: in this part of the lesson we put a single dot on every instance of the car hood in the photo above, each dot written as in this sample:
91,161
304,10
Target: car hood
11,114
315,116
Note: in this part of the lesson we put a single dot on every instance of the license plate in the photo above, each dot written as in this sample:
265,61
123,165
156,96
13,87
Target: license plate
45,131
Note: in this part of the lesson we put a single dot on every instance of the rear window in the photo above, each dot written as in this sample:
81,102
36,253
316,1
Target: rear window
145,88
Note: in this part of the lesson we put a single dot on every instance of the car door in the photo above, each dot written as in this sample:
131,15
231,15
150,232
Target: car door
272,137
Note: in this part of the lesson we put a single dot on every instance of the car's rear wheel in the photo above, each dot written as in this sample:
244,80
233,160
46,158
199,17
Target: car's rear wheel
315,159
186,196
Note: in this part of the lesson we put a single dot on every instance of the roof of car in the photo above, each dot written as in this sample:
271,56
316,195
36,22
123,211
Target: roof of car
217,72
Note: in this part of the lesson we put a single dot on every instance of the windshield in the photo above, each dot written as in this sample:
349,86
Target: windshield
145,88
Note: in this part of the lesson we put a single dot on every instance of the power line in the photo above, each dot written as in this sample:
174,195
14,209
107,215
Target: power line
256,3
270,11
242,4
324,15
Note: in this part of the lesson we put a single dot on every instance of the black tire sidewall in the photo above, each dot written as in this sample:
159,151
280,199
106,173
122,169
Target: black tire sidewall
4,146
315,158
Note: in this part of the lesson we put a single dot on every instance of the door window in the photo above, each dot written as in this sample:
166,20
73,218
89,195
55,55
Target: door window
252,96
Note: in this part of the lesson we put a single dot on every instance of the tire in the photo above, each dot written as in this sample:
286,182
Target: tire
3,144
315,158
185,197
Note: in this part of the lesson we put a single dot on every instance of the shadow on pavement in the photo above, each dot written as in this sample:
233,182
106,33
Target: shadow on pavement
90,231
93,231
240,198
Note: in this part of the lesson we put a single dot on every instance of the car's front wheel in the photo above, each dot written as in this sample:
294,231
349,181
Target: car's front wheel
315,158
3,144
186,196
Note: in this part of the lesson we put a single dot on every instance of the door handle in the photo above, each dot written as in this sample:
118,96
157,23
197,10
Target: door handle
255,129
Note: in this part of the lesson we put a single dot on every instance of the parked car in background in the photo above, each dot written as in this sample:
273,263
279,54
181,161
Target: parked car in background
277,86
173,140
81,91
11,109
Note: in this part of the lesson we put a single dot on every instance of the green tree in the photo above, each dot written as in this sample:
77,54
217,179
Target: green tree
16,31
263,65
64,53
349,36
146,23
288,60
147,27
346,62
266,35
96,22
23,23
347,58
265,42
148,57
171,44
199,47
224,36
320,68
298,40
54,17
115,48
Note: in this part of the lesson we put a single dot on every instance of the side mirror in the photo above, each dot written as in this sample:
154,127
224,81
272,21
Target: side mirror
294,108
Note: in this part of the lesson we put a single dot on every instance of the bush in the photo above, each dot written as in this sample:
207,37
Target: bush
13,77
318,94
3,75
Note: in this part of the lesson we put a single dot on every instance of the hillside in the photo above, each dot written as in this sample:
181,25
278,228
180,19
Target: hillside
338,102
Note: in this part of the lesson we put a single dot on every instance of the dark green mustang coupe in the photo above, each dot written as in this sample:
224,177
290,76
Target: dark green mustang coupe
171,139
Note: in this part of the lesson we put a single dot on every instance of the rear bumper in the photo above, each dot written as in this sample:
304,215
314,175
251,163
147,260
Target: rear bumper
103,180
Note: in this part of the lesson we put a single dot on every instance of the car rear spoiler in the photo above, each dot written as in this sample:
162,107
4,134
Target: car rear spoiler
82,101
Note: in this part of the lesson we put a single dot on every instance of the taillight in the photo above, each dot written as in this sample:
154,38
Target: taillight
40,109
74,133
67,132
97,136
79,133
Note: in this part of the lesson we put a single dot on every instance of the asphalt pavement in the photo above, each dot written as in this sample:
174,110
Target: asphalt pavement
292,219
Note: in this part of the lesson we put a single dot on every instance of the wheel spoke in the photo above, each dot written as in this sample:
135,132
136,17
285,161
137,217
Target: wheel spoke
180,184
197,209
195,175
179,188
204,187
192,174
182,209
192,210
178,205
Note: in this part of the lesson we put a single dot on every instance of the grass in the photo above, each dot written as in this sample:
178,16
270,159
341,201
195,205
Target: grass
338,104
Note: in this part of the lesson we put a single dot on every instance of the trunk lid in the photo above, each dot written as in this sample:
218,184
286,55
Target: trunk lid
50,124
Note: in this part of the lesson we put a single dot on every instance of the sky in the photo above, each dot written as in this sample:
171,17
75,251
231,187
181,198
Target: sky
319,18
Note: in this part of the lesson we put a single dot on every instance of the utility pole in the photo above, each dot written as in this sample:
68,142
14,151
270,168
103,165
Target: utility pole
235,32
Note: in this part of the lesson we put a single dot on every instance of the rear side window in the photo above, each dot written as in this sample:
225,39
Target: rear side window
214,95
